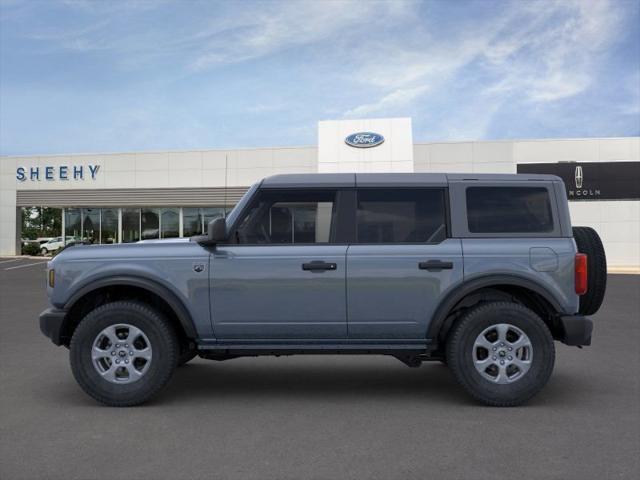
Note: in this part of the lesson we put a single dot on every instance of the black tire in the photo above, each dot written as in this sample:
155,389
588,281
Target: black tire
163,342
460,351
186,356
588,242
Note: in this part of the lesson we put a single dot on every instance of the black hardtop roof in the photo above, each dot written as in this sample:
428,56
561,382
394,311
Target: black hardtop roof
320,180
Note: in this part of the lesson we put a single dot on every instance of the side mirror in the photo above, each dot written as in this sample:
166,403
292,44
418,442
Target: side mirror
217,230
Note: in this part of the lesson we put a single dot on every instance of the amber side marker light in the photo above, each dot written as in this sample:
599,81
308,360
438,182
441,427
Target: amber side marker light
52,277
581,274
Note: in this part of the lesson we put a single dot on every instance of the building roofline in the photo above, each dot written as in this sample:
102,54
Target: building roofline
518,140
297,147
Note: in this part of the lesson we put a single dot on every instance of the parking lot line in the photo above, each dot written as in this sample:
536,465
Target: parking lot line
23,266
8,261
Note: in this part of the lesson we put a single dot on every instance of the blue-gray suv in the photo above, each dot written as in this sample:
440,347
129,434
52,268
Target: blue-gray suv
481,272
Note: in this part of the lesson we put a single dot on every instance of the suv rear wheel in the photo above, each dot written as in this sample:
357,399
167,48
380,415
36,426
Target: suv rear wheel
502,353
123,353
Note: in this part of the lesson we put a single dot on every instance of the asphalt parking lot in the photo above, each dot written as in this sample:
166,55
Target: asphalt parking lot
317,417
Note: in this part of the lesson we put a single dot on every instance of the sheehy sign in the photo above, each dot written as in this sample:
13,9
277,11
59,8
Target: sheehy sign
60,172
593,180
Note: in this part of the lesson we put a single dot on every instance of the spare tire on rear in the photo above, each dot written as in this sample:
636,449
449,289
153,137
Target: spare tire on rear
588,242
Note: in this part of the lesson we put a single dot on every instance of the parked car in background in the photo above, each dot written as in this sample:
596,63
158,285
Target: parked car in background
53,244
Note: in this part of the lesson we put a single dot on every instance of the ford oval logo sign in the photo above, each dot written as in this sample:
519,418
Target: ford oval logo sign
364,139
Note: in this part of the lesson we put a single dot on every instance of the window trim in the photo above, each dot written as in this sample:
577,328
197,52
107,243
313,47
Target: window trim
517,195
459,222
336,213
447,214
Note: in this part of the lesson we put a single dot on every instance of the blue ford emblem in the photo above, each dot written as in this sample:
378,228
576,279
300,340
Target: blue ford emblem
364,139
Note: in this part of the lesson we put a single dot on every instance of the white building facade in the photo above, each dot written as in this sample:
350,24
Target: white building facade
124,197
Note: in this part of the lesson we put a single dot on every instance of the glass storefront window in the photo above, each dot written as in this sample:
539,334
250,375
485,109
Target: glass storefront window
91,225
109,226
130,225
150,220
170,223
101,225
72,224
191,222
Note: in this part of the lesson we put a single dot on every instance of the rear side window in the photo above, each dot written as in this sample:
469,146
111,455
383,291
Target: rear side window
509,210
401,216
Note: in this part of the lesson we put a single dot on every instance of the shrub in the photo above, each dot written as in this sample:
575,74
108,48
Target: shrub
31,249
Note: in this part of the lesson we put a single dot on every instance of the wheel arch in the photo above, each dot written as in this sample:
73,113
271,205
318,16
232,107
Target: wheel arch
132,287
528,292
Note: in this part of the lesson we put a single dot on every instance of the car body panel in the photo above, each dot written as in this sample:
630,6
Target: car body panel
262,292
514,257
169,264
389,296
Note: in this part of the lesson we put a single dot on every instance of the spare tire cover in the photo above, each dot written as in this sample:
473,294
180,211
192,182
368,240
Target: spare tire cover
588,242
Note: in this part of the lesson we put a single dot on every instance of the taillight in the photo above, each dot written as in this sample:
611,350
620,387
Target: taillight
581,273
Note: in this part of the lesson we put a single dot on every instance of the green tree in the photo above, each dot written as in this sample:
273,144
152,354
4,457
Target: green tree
41,222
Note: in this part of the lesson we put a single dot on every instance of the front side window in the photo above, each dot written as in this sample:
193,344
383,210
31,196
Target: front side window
401,215
288,217
509,210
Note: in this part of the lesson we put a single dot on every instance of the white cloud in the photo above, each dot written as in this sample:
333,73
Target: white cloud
398,98
285,25
538,51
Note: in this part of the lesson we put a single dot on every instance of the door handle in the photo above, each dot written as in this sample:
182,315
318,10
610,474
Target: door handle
435,265
319,266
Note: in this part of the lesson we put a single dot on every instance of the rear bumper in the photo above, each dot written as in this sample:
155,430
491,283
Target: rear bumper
576,330
51,322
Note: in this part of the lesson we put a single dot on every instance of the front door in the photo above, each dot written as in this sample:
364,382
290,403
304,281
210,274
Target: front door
401,263
282,276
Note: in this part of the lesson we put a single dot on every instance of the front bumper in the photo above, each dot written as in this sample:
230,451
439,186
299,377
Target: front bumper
51,324
576,330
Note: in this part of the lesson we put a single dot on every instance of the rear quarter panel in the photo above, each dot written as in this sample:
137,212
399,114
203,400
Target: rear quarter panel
548,262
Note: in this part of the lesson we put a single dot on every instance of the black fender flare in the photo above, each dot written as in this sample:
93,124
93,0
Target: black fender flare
466,288
178,307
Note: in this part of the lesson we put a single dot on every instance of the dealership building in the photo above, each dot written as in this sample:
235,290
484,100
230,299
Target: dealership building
126,197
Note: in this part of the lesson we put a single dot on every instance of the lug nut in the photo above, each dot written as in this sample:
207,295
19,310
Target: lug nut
126,345
113,353
131,353
502,344
510,348
126,361
501,362
494,357
117,345
117,361
494,349
510,357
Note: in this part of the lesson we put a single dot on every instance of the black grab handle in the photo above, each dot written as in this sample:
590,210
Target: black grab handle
319,266
435,265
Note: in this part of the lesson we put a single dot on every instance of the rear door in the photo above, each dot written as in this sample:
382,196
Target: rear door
284,276
401,263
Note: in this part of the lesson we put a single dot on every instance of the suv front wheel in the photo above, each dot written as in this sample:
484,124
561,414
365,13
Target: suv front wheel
502,353
123,353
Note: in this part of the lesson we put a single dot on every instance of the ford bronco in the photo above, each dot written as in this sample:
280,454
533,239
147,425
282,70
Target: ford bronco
481,272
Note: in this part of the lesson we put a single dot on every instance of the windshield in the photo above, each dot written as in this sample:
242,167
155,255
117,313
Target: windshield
233,215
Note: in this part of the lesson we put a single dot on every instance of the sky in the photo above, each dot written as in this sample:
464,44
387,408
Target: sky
90,76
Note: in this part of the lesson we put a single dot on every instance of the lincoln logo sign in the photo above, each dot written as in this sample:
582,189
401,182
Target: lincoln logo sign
364,139
579,177
593,180
61,172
